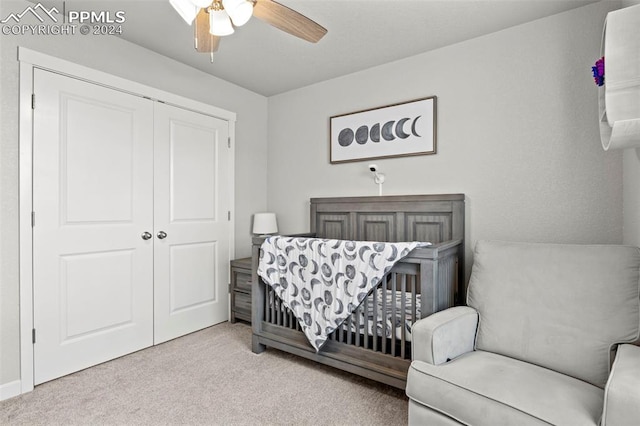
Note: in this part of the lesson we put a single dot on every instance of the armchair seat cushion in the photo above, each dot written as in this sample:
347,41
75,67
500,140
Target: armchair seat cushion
484,388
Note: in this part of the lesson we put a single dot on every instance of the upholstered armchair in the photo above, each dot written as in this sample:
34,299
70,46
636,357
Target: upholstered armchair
546,338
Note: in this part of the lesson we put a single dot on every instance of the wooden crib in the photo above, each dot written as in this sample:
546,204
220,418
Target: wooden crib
375,342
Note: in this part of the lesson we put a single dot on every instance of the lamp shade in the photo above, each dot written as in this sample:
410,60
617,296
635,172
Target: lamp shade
265,223
219,23
239,11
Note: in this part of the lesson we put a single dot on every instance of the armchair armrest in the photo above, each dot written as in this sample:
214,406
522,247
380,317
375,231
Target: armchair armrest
622,392
444,335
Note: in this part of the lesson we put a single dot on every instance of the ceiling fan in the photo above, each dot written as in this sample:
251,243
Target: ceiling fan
218,18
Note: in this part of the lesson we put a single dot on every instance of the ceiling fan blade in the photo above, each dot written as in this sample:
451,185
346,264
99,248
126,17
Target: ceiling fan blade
204,41
288,20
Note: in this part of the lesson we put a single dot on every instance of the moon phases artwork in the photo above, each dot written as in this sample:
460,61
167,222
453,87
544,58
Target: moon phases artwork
396,130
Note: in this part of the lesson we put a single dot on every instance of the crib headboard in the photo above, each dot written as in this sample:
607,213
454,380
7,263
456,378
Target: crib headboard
432,218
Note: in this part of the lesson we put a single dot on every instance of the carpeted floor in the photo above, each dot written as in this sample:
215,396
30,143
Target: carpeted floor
209,377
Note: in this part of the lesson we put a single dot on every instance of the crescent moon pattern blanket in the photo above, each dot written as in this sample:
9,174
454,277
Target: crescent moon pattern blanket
323,281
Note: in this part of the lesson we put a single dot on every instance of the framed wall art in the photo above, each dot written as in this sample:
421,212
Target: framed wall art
396,130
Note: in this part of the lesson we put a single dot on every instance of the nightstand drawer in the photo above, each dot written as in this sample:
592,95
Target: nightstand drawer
242,305
242,281
240,290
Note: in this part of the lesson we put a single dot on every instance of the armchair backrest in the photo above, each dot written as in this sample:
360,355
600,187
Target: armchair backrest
563,307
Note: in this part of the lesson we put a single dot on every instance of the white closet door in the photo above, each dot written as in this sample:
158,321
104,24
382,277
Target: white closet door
93,198
191,205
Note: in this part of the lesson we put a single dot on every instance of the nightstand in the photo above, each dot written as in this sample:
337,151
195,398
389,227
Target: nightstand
240,289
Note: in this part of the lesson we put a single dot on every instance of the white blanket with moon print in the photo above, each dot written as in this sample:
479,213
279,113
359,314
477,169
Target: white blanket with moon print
323,281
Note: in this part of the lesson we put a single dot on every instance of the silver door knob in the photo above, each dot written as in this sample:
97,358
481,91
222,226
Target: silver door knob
146,235
162,235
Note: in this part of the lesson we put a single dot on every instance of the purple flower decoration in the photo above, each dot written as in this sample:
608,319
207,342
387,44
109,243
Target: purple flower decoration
598,71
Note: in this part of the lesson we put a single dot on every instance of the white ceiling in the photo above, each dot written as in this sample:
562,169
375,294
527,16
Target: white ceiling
361,34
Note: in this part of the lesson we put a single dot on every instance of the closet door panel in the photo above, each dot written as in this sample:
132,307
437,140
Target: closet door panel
192,168
191,206
93,198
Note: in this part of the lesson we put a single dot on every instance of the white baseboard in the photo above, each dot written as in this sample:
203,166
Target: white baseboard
11,389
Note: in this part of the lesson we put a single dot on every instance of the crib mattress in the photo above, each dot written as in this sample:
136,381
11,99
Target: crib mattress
380,315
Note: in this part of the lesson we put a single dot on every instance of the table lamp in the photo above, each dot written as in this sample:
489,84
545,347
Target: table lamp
265,224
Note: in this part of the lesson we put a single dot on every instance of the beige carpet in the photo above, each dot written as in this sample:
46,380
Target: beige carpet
209,377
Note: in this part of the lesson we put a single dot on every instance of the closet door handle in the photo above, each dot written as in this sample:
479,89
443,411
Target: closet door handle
162,235
146,235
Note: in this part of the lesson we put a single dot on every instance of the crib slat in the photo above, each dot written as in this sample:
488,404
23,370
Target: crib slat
267,308
356,313
375,321
394,299
414,289
403,310
383,314
285,316
365,307
292,319
274,306
271,302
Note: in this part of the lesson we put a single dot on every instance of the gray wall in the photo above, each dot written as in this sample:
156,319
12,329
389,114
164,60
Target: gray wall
517,133
631,184
117,57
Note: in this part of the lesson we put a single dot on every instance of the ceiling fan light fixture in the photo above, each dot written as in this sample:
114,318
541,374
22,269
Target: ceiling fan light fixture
219,22
186,9
239,11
